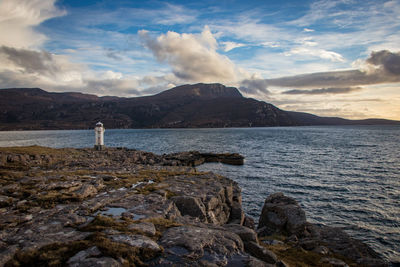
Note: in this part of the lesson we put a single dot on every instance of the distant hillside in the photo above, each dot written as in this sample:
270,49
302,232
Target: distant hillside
198,105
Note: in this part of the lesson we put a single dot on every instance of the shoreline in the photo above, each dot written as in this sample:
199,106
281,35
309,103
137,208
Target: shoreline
62,181
205,128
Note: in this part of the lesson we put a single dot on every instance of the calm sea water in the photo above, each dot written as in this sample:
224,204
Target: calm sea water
347,176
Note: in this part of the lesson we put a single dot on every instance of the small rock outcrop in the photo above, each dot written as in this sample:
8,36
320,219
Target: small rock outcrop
282,216
111,158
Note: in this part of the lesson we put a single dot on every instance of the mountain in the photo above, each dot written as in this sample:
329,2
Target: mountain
201,90
198,105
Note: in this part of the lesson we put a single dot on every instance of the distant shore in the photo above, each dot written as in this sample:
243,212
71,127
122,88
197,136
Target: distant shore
187,106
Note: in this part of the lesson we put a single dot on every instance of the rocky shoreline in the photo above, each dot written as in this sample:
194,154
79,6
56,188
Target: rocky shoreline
123,207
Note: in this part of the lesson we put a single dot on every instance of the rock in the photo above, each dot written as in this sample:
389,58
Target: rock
373,262
321,250
5,201
139,241
339,242
97,262
85,191
281,214
193,241
260,252
82,255
309,244
249,222
282,264
191,206
67,186
226,158
245,233
272,242
192,158
237,214
144,227
333,262
73,220
7,254
204,263
71,194
292,238
195,158
99,184
254,262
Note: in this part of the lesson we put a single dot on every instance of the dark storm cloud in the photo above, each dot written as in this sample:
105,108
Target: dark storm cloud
30,61
383,67
322,91
324,79
390,62
254,86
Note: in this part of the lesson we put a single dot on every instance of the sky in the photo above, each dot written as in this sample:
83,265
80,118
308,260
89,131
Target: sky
327,57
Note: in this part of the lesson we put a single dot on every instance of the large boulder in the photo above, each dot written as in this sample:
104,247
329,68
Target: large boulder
281,214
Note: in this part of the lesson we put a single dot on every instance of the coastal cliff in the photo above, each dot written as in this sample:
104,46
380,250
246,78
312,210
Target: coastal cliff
123,207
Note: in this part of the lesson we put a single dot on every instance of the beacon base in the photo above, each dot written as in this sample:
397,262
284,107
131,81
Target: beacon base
99,147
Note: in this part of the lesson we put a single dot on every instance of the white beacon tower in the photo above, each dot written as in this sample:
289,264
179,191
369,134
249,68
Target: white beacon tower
99,135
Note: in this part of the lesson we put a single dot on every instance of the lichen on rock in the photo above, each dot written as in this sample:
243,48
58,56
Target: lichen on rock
123,207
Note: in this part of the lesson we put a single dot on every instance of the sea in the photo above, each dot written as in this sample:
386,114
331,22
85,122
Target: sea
343,176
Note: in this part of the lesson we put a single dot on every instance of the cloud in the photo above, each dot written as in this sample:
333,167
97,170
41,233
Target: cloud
322,91
30,61
389,62
113,54
113,86
321,53
192,57
29,68
173,14
381,67
19,17
228,46
254,86
42,64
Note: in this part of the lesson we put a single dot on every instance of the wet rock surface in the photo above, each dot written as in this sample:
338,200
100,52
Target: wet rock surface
122,207
282,217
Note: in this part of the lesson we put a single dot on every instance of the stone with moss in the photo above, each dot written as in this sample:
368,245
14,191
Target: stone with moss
124,207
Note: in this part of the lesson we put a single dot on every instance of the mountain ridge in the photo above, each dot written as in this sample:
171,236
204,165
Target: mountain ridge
186,106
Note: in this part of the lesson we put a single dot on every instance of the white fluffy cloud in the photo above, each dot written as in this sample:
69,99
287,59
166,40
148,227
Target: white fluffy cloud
192,57
315,52
228,46
18,19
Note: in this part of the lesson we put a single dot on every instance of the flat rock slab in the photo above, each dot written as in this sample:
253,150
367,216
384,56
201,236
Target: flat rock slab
195,240
138,241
